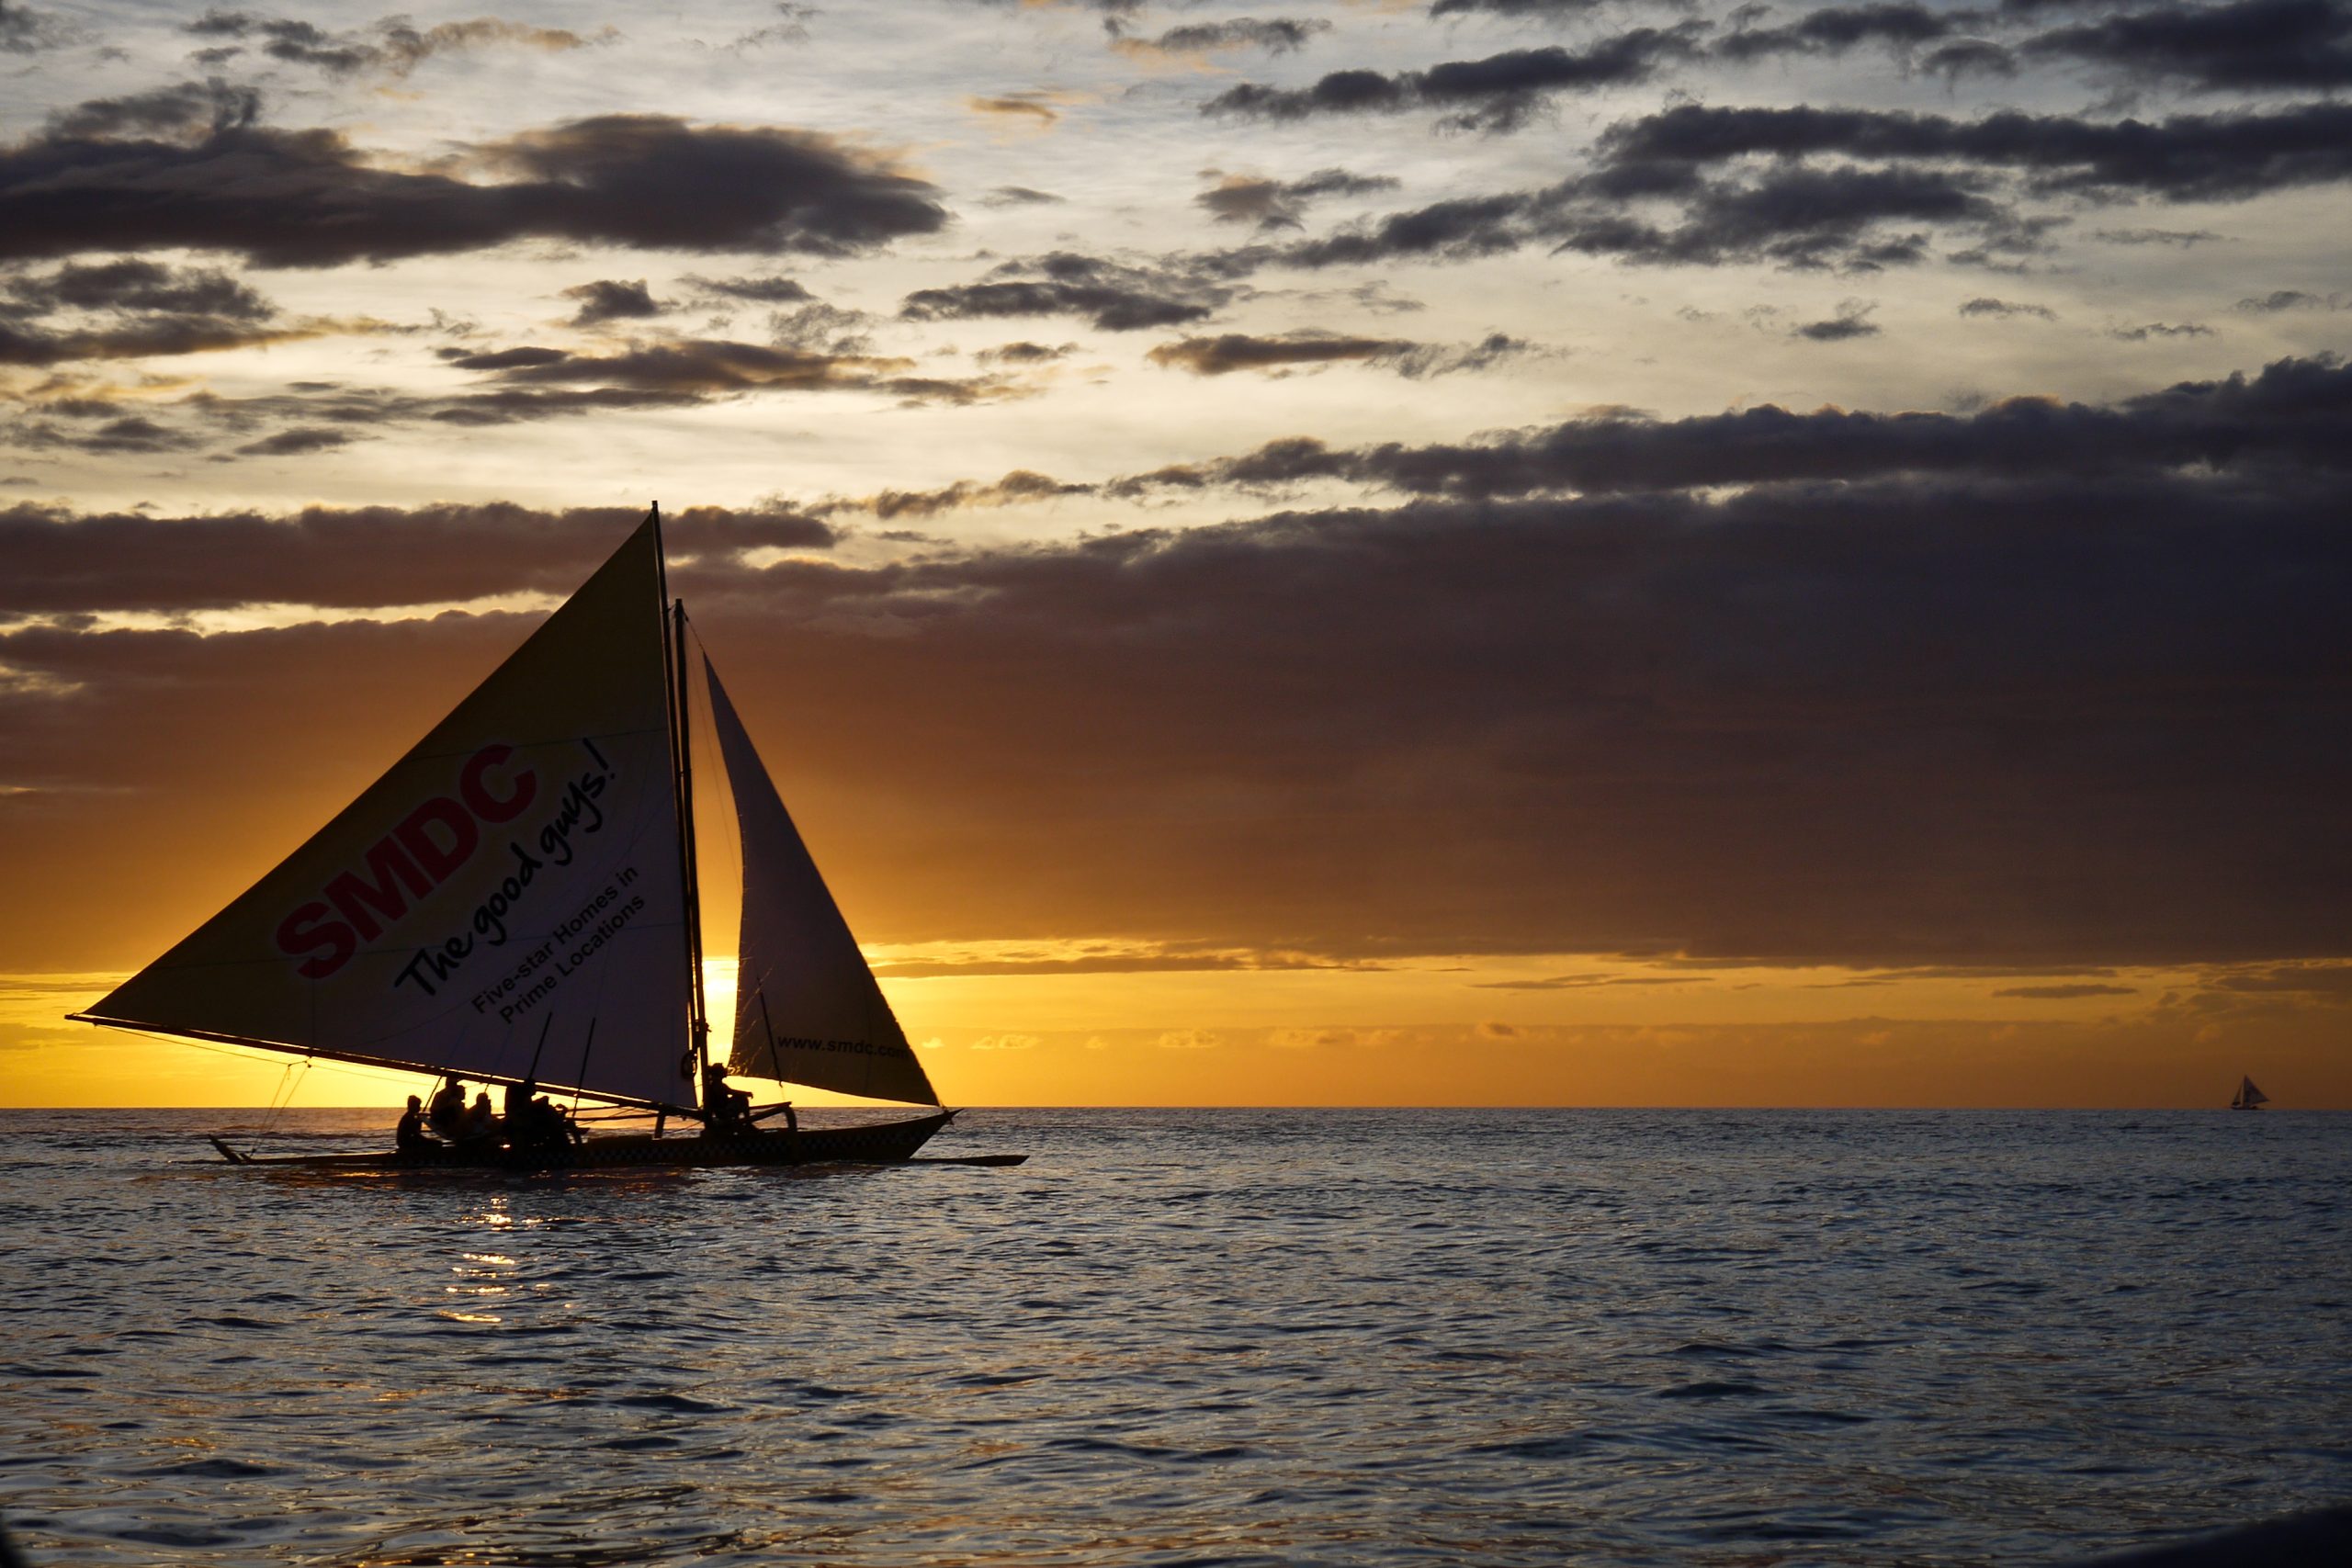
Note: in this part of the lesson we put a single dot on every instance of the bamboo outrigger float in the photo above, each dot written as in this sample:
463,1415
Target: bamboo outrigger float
518,902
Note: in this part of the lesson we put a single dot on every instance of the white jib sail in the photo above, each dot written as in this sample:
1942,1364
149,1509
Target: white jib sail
511,882
807,1010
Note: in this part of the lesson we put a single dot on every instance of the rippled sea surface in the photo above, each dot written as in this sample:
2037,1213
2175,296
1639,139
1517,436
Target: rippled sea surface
1286,1338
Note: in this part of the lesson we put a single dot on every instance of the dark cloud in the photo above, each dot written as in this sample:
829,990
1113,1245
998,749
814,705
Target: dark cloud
2186,158
1858,219
759,290
1456,230
2005,307
1278,35
1855,190
2279,300
1878,723
698,369
1994,692
297,442
1899,24
143,338
612,299
1277,204
1019,196
186,109
1024,353
127,436
1229,351
1786,699
1115,295
1018,488
1850,322
1968,57
2184,238
521,358
1797,216
131,283
1546,9
706,367
395,47
1497,94
65,562
132,308
308,198
517,405
2158,330
2248,46
522,384
2296,412
24,30
1424,360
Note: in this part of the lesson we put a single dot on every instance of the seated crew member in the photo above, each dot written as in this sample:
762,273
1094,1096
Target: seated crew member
409,1135
448,1114
725,1110
480,1123
531,1122
541,1125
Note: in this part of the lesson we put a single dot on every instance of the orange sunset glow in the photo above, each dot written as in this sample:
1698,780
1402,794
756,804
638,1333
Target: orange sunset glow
1580,590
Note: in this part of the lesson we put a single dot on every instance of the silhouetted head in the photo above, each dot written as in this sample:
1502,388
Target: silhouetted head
415,1103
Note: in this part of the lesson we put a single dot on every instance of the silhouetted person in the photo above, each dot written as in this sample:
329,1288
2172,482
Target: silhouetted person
724,1109
448,1112
480,1123
548,1126
409,1135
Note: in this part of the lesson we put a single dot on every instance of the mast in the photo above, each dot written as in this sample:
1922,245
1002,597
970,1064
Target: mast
699,1014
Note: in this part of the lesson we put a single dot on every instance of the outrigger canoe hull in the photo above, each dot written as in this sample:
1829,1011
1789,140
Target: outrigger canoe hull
885,1143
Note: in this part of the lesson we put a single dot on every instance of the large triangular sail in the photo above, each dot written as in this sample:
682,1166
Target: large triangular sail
808,1009
509,896
2248,1096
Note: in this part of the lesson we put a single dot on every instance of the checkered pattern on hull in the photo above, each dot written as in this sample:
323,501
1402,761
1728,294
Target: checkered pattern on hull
884,1142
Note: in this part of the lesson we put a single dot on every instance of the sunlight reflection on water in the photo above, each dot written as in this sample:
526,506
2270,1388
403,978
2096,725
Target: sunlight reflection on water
1278,1337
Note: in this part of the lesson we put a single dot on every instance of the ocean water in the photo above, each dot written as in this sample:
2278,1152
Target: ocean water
1176,1336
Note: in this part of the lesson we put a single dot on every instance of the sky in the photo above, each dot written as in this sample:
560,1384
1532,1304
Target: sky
1544,552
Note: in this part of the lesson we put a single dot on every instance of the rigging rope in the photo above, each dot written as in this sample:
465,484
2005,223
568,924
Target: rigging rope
288,1084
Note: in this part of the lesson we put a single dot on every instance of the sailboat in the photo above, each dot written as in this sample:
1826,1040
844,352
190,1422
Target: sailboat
516,902
2249,1098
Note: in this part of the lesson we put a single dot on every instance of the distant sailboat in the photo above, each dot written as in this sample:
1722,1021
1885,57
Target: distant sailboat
516,902
2249,1098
